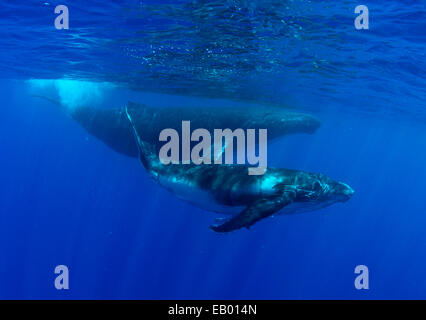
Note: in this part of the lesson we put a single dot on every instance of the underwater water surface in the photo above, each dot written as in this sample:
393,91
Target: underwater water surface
68,199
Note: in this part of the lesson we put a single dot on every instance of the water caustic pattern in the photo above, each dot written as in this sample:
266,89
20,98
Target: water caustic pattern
263,51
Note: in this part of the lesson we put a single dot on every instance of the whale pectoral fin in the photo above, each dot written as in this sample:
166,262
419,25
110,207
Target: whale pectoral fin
257,211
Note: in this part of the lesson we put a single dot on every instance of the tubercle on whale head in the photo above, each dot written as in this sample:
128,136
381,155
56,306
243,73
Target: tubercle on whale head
344,191
339,191
324,189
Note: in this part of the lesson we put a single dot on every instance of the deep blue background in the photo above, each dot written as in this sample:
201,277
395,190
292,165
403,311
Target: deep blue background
68,199
65,198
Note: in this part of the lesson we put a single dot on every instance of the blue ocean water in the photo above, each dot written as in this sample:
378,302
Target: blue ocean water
67,199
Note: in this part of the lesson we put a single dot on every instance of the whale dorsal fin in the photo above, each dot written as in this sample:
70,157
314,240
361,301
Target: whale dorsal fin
258,210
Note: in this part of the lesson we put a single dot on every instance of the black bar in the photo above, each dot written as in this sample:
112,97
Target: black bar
214,309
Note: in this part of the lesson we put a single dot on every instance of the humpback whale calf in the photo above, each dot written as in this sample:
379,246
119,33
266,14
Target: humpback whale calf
228,188
112,126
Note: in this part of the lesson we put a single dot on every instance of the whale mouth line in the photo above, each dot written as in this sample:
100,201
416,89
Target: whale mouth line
348,190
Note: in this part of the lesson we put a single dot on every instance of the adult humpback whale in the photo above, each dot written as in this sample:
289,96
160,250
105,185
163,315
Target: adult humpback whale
228,188
112,126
